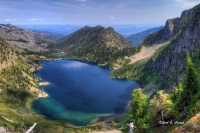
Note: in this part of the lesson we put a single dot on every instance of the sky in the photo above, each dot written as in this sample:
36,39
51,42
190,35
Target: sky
87,12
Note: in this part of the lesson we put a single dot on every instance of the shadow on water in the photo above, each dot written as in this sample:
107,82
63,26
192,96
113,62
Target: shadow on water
129,90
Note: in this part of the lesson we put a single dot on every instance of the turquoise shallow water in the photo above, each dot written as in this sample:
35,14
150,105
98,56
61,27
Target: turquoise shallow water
80,92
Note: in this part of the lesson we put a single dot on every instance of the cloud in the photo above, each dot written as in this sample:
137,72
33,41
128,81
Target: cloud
75,65
111,17
186,3
8,19
81,0
56,19
35,19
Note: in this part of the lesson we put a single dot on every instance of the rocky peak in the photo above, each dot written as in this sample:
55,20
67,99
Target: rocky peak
191,12
86,27
174,27
99,26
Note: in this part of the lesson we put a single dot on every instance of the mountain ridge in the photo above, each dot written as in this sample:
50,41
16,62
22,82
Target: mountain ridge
24,39
138,38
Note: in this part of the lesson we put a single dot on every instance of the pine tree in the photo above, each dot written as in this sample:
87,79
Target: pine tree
190,86
178,105
139,113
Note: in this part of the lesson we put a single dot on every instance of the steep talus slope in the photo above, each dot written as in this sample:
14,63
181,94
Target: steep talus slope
180,35
98,44
23,38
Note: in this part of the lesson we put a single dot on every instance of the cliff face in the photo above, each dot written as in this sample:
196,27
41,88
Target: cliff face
166,65
183,35
188,19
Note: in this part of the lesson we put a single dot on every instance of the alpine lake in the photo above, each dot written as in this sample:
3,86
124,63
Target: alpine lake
80,92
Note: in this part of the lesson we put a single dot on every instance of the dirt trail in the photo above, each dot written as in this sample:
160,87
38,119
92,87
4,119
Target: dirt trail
7,119
144,53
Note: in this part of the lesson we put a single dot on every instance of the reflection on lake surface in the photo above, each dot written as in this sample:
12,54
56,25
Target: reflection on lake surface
80,92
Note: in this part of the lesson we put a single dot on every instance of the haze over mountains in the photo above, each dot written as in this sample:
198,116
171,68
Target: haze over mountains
125,30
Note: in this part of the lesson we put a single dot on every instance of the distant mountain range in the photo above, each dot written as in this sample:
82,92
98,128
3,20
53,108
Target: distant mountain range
131,29
125,30
62,30
138,38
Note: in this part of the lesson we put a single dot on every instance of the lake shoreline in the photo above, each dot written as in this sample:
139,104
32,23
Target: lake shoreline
100,118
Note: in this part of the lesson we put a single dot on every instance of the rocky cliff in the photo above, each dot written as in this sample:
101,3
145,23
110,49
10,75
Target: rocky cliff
184,36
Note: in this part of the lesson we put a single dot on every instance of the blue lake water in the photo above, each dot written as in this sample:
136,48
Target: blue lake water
81,92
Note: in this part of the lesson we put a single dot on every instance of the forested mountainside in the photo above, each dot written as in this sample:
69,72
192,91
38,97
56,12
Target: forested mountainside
93,35
138,38
98,44
25,39
18,86
165,66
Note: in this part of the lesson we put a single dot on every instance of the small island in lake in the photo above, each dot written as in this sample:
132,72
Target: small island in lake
44,83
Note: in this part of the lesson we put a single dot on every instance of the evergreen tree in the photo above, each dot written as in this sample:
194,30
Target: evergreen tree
190,86
139,113
178,105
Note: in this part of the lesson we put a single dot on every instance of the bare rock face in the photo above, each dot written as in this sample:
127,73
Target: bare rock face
189,18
